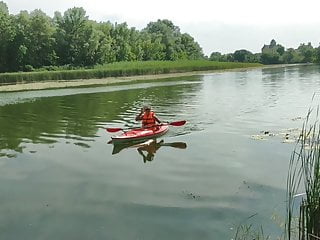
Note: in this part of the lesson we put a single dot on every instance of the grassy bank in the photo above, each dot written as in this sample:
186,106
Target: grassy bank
120,70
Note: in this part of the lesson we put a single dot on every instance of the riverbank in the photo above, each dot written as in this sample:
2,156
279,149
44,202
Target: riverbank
52,84
100,82
109,73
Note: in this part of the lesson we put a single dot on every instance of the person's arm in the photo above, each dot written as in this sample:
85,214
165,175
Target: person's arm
142,154
157,119
139,116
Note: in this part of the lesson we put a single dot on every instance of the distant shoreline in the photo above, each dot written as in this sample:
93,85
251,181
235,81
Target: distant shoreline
111,80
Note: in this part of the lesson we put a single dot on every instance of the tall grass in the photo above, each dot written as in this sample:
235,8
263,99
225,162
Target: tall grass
304,177
249,232
121,69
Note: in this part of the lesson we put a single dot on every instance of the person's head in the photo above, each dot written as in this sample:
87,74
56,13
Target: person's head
149,157
147,108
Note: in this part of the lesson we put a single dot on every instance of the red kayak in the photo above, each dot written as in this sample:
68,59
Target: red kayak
141,133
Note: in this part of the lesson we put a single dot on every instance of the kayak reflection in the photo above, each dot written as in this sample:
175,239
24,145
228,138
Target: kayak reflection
147,149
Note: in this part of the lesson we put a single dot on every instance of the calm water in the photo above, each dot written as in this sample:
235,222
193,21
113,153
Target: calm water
60,180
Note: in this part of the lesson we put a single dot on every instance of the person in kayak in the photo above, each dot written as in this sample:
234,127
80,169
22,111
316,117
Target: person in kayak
147,117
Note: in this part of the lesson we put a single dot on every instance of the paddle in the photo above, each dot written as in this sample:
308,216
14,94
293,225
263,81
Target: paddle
176,124
181,145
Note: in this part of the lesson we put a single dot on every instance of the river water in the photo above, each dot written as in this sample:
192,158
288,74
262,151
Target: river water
227,166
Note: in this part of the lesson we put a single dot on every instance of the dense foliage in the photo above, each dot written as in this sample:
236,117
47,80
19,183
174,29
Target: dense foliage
71,40
272,54
34,40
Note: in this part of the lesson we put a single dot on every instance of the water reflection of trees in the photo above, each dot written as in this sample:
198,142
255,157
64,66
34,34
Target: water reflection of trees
272,76
308,71
79,117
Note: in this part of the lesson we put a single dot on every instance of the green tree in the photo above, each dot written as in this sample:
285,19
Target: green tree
19,44
123,41
36,40
256,58
307,52
242,55
292,56
105,52
215,56
280,49
317,55
191,47
136,42
152,48
227,57
270,58
175,45
40,40
166,32
77,40
6,36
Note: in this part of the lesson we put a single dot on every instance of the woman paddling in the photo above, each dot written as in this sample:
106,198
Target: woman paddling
147,117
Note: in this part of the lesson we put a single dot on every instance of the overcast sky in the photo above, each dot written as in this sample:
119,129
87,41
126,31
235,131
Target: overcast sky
217,25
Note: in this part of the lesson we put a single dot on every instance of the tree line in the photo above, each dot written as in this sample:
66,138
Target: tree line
35,40
30,41
272,54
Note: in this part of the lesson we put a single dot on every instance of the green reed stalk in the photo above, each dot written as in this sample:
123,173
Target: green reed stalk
248,232
304,175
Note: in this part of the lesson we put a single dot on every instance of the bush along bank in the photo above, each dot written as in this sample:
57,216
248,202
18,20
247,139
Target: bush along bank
121,69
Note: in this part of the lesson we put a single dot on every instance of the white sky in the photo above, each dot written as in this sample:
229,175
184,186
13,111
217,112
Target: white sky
217,25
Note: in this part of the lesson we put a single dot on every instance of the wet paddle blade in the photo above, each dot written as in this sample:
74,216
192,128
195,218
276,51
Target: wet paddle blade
178,123
113,129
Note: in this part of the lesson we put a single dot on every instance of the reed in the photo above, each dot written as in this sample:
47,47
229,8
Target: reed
303,221
120,69
248,232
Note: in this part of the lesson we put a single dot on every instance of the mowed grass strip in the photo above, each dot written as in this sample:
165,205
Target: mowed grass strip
121,69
